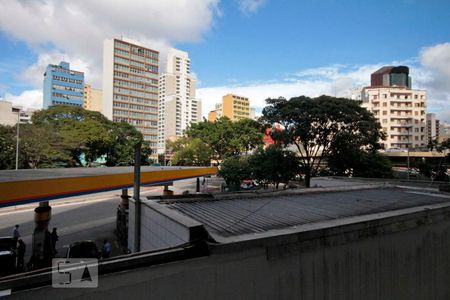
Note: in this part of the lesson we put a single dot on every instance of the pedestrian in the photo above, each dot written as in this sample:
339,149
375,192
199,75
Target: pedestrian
106,250
20,255
54,238
16,235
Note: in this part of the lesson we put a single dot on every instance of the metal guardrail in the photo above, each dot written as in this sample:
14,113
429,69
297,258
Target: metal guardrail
43,277
393,180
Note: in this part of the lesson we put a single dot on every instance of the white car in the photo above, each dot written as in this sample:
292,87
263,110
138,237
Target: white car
395,150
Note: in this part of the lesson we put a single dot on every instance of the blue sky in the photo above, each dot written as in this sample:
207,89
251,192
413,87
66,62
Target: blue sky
259,48
287,36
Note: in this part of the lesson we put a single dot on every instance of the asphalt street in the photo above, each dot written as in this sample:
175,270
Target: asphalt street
89,217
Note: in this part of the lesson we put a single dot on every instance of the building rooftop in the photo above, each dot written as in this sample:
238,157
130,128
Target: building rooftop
244,217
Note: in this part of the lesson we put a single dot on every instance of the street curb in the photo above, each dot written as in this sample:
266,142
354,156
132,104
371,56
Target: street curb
54,203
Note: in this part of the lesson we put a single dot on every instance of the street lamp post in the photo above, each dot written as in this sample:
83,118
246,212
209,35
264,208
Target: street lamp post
408,157
408,146
17,140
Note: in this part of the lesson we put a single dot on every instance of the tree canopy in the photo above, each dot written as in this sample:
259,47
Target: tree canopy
60,135
321,126
273,165
7,147
233,170
226,138
189,152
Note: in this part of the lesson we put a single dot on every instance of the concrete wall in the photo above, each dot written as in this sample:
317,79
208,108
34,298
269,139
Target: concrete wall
161,227
108,77
7,117
400,257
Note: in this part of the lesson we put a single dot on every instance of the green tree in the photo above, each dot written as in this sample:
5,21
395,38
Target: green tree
350,159
92,134
373,165
88,137
233,170
433,168
59,116
189,152
7,147
227,138
123,138
41,147
61,135
273,165
314,125
81,131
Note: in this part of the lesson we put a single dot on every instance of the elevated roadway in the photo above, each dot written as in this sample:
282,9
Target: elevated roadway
26,186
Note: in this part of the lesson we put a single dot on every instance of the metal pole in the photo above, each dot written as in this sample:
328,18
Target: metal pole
407,161
198,185
17,141
137,189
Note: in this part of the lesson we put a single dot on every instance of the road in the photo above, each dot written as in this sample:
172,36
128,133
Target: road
89,217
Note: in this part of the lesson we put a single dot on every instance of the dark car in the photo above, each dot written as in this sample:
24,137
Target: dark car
83,249
7,256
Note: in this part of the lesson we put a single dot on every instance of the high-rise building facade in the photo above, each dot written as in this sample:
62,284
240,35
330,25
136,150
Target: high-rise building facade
92,98
233,107
130,86
216,113
444,132
399,108
432,127
391,76
10,115
178,106
63,85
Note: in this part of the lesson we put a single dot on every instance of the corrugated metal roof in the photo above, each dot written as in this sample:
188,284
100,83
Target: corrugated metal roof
239,216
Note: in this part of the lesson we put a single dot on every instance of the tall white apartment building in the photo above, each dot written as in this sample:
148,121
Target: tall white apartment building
432,127
130,86
178,106
400,110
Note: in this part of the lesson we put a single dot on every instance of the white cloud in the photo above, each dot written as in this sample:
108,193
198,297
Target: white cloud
75,29
261,91
27,99
34,74
249,7
332,80
431,72
437,59
435,78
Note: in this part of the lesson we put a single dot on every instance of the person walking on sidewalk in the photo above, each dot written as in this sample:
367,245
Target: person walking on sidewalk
20,255
16,235
106,250
54,238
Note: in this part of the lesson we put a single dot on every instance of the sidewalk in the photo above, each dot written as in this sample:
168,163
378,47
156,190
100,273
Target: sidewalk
76,200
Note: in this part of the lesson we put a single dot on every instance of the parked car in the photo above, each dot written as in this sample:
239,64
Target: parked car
83,249
7,256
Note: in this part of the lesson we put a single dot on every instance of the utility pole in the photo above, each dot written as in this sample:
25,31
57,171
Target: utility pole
137,197
17,140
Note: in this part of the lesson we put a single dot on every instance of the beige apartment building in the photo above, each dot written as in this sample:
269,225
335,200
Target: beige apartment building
130,86
433,127
178,105
400,110
234,107
92,98
10,114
